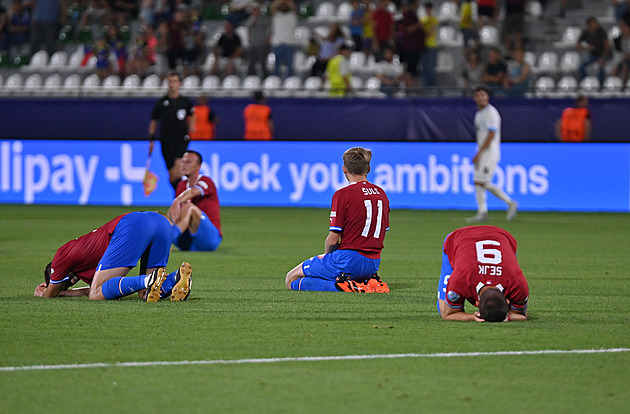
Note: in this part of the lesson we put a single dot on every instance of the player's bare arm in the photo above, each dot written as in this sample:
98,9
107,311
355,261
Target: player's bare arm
332,242
452,314
484,146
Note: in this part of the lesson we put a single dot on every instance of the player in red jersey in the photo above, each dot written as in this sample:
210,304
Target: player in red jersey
479,265
359,219
103,257
195,210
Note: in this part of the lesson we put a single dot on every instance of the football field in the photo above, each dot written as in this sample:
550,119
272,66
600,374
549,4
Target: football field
243,343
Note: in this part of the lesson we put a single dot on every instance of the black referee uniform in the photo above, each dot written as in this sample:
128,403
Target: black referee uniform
172,114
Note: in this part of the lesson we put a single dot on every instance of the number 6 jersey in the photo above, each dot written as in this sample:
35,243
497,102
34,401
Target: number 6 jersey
360,212
481,256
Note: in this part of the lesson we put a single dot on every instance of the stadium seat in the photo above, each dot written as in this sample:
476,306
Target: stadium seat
357,61
71,85
570,62
38,61
321,31
356,83
325,12
74,62
131,84
207,65
33,83
530,58
343,12
111,84
91,84
613,86
489,36
272,83
613,33
210,83
302,36
533,8
151,82
14,81
373,83
449,36
547,63
447,12
58,60
190,83
251,82
52,84
569,37
292,83
590,85
231,82
567,87
544,86
445,62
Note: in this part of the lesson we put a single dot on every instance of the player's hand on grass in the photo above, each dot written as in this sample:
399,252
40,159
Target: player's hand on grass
478,317
39,290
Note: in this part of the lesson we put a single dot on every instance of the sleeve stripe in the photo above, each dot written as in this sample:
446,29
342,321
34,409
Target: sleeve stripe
56,282
333,228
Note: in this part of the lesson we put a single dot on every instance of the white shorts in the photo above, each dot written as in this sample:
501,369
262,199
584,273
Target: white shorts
484,169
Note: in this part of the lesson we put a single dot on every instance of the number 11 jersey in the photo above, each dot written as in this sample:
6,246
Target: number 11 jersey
360,212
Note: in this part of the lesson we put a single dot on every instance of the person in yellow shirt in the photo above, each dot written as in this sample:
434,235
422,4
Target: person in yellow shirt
429,55
468,26
338,72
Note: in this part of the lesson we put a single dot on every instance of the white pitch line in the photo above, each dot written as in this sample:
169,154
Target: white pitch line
311,359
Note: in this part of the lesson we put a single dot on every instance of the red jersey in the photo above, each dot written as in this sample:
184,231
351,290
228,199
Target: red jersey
384,21
360,212
81,256
208,202
481,256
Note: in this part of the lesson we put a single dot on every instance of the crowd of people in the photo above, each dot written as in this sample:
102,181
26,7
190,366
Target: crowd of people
154,36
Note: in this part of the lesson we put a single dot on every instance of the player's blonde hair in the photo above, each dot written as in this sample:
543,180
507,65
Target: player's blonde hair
357,160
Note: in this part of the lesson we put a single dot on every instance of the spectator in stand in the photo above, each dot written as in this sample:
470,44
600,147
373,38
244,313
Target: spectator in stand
239,12
125,11
118,47
468,26
48,15
369,45
284,19
575,123
18,25
622,67
594,40
513,24
411,41
95,14
205,123
175,39
3,26
356,24
516,82
486,13
390,73
228,51
139,58
338,71
102,52
429,54
257,117
472,70
259,28
193,48
328,48
494,71
383,22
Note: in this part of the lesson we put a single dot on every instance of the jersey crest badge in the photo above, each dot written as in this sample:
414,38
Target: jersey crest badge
181,114
452,296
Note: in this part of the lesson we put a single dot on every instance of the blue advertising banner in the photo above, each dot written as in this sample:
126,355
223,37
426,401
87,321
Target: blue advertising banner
565,177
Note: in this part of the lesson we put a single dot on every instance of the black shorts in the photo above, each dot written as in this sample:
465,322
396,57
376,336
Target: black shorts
170,154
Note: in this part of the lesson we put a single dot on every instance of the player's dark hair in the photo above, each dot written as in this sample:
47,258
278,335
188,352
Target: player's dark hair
493,307
174,73
482,88
64,285
357,160
259,96
199,157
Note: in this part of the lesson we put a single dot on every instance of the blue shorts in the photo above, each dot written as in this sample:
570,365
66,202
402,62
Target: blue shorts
140,234
332,265
445,274
206,239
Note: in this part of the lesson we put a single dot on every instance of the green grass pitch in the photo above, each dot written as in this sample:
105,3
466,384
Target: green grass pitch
576,264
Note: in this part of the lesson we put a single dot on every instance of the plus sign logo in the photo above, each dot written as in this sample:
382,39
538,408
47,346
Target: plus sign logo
126,173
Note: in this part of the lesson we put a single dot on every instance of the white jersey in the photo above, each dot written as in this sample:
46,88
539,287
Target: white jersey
283,26
486,120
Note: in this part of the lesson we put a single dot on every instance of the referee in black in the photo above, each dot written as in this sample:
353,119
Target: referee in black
175,114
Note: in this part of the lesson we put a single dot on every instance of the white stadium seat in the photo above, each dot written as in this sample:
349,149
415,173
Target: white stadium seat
325,12
190,83
613,86
590,85
544,86
34,81
447,12
58,60
210,83
39,60
343,12
569,37
547,62
489,36
251,82
14,81
570,62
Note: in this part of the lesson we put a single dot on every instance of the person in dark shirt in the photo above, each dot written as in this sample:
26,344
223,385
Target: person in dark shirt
594,40
495,71
175,114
